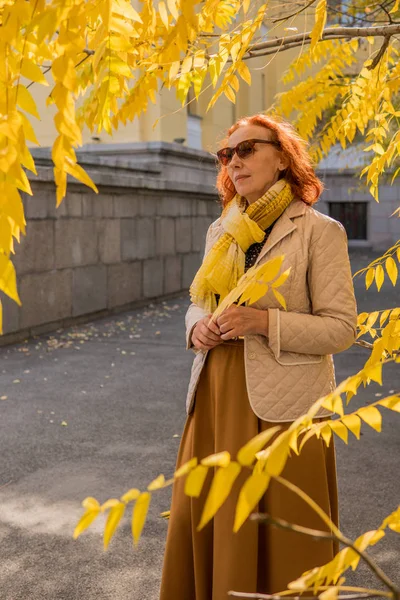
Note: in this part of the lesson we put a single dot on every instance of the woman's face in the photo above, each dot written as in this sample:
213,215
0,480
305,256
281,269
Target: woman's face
255,174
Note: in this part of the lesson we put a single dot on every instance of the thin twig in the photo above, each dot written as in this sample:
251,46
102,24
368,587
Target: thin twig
293,14
272,597
381,52
315,533
364,344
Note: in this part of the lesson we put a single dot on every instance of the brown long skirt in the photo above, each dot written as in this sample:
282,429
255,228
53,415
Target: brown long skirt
205,565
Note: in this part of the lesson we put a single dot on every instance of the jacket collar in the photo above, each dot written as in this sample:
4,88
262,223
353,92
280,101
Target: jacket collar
283,226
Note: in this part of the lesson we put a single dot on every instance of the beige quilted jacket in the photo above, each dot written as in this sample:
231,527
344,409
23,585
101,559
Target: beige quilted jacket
292,367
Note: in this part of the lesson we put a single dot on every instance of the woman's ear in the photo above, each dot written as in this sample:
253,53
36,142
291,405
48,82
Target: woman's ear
283,163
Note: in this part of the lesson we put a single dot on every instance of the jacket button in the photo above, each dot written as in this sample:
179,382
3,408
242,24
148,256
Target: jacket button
252,355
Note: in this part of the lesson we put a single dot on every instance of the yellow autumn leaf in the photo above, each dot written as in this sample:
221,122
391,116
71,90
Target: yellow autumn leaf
384,317
246,454
31,71
221,486
320,20
371,416
244,72
361,318
392,521
340,430
92,511
280,298
371,319
246,6
63,70
76,171
186,468
370,538
281,279
163,13
369,278
195,480
270,269
374,373
379,276
84,522
230,94
130,495
172,9
391,269
157,484
8,279
29,132
353,423
109,504
250,494
139,515
221,459
278,455
330,594
114,517
395,7
26,101
391,403
326,434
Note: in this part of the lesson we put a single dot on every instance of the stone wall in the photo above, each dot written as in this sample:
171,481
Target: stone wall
140,238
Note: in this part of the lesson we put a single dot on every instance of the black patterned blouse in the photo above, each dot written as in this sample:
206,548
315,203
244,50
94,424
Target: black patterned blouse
255,249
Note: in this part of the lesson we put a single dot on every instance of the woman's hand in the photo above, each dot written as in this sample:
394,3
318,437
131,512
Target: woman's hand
206,334
242,320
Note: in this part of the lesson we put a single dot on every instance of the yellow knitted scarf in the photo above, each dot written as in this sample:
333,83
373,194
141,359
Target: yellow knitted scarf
224,264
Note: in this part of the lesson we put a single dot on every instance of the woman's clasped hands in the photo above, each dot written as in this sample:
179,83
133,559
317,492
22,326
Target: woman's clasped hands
234,322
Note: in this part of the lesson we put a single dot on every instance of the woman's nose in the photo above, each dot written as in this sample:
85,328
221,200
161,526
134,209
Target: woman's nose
235,161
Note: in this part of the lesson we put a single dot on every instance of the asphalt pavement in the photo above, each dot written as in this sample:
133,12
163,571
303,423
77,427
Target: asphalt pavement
97,409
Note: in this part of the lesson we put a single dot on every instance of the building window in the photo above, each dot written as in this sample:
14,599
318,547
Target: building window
192,106
353,216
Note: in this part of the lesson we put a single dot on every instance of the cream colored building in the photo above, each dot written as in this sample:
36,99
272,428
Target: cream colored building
190,125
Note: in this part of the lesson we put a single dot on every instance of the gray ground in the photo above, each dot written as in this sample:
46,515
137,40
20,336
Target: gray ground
93,410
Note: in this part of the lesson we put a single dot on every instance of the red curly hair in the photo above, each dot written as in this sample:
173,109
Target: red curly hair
300,173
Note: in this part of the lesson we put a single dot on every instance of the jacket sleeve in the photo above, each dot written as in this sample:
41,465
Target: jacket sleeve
331,327
195,313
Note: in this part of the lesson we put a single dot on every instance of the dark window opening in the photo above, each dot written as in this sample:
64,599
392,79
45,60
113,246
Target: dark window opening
353,216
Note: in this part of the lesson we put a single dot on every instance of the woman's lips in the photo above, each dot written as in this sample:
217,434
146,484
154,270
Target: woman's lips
241,177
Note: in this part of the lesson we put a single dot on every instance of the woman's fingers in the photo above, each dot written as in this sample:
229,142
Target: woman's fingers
228,335
208,333
212,326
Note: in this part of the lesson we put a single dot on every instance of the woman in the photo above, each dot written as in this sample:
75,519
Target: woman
260,365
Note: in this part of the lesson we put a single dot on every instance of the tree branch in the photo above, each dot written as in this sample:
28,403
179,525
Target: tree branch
293,41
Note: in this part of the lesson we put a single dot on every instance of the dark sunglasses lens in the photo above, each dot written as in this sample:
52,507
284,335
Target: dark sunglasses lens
244,149
225,156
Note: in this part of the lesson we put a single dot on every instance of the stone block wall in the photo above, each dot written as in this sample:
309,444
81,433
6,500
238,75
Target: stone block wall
140,238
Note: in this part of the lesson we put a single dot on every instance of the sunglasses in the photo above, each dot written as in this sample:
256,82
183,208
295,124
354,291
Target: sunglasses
243,150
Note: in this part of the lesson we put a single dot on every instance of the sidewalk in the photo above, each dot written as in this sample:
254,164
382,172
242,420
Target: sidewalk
94,410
